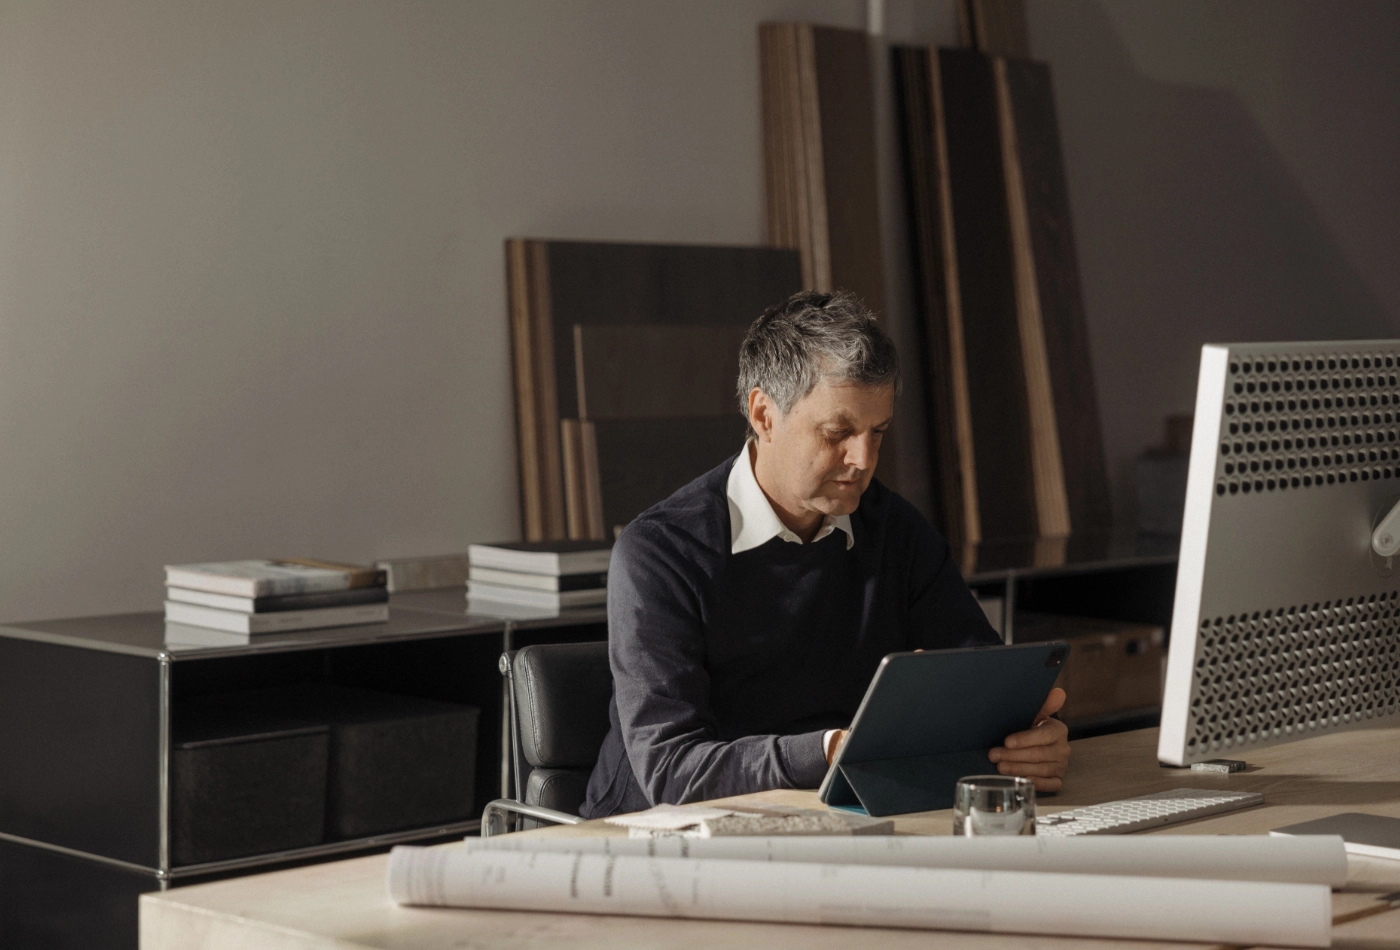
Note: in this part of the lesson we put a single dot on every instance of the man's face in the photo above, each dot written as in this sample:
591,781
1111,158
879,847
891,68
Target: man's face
821,454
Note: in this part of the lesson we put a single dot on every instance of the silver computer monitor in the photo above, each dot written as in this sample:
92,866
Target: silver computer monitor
1285,618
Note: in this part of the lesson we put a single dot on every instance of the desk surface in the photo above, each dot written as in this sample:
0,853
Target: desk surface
344,905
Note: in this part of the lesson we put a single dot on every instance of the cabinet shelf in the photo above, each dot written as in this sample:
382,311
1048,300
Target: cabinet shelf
320,850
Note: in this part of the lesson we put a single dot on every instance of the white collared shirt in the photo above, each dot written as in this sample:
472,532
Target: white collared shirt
752,520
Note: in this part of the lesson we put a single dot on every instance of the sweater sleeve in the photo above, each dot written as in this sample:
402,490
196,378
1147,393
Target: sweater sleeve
943,614
662,689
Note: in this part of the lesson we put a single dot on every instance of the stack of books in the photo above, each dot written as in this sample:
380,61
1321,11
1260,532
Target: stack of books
252,597
537,575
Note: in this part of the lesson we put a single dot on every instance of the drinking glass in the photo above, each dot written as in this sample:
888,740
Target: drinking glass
994,805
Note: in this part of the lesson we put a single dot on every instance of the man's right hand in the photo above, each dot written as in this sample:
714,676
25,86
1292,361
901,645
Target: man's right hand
1040,753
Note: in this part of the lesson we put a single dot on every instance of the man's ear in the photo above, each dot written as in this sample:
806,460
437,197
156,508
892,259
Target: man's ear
763,414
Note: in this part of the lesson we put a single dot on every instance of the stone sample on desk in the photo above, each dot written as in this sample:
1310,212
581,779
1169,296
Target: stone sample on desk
694,821
404,574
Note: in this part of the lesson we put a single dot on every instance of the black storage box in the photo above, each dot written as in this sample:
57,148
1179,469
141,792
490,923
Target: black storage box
397,762
240,784
386,762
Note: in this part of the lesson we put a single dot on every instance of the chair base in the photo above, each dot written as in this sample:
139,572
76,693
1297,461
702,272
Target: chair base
499,816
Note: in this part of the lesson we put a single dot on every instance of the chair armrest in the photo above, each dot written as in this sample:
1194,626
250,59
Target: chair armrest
495,817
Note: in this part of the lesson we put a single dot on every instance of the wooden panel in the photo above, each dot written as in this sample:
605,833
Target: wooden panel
986,279
997,27
1061,298
536,405
642,461
819,155
1052,507
793,173
615,284
657,371
578,475
993,256
556,285
820,174
846,94
937,302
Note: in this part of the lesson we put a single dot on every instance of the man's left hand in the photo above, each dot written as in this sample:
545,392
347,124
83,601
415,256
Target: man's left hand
1041,753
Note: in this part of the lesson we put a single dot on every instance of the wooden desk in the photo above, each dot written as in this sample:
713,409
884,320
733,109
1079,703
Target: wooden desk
344,906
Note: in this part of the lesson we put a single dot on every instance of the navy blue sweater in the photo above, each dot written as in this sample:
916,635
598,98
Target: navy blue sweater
727,668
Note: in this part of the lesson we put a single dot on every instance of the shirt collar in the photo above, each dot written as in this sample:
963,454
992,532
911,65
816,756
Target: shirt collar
752,520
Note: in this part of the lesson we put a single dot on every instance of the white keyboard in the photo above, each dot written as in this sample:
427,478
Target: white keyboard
1149,811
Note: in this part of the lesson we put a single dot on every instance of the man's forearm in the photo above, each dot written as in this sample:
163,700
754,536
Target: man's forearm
677,771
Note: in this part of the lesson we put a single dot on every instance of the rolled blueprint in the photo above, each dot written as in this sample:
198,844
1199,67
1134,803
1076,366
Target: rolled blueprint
1305,859
1081,905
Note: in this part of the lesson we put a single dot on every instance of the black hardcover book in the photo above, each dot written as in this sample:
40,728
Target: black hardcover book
281,603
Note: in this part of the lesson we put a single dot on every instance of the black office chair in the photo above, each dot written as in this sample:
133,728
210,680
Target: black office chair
558,696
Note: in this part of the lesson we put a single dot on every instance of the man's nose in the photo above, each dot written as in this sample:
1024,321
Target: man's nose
860,451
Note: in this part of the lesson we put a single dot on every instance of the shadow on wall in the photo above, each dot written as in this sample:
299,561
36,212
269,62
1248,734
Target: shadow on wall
1190,229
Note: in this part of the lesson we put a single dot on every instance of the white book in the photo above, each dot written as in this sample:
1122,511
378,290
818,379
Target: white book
279,622
536,598
268,578
503,611
543,557
548,582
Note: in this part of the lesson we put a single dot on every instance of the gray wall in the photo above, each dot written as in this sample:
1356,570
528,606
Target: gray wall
1234,171
251,277
251,272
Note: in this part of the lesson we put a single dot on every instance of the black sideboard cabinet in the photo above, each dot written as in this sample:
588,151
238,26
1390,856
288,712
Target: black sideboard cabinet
92,714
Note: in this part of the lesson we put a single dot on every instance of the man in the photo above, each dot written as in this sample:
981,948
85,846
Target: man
748,612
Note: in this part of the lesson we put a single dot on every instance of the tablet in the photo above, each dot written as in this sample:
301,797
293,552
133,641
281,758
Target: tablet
930,718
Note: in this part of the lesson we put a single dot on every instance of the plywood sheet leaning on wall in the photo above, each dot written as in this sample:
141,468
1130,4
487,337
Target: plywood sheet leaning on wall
997,27
658,406
820,167
1014,421
642,461
1066,336
819,155
941,357
986,281
574,308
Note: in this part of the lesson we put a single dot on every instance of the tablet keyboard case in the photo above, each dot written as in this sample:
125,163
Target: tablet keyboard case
976,697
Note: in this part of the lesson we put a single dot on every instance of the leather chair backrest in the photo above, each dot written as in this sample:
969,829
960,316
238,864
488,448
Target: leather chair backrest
562,695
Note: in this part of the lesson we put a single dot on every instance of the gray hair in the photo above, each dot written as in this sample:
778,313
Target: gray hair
809,338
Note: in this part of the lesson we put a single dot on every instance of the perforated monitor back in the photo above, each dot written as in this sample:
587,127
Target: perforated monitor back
1285,620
